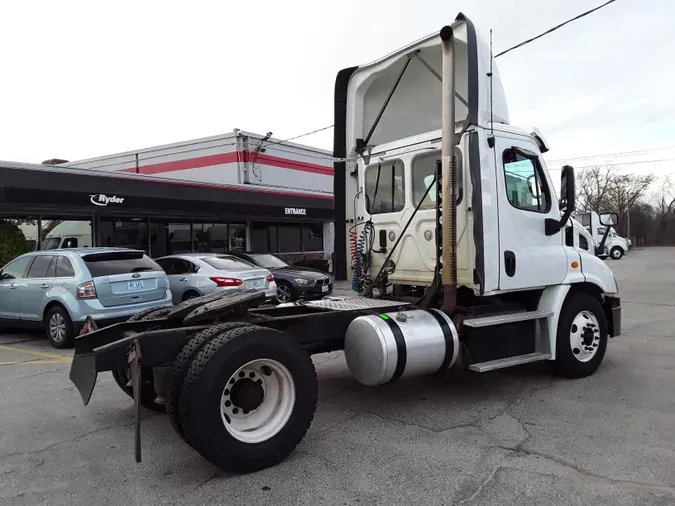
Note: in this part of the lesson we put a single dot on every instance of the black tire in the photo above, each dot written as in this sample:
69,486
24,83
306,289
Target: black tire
141,315
122,376
59,328
190,294
616,253
180,367
206,379
566,362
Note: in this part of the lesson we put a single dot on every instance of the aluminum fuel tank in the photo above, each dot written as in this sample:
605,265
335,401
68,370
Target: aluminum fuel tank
387,347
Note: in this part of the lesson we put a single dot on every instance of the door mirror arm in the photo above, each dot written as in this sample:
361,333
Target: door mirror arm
567,201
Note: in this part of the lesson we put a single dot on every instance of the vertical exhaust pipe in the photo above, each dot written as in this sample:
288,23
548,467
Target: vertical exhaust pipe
448,240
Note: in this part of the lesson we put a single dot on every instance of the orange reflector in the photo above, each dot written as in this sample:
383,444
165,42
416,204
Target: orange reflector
575,265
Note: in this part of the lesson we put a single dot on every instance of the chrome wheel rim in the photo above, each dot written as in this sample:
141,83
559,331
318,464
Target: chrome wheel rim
257,401
283,293
57,328
585,336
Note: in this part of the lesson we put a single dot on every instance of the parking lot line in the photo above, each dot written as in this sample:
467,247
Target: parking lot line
36,361
53,356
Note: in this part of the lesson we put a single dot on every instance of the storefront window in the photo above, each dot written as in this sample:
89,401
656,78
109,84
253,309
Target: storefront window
130,233
169,239
58,232
312,237
210,237
237,233
17,236
290,238
263,237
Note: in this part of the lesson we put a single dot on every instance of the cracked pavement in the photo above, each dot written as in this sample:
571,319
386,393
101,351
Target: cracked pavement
518,436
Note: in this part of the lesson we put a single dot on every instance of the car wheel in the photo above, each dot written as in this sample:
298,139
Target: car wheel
284,293
59,328
616,253
190,295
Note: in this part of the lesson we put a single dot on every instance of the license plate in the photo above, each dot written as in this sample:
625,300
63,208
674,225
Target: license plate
324,288
255,283
133,286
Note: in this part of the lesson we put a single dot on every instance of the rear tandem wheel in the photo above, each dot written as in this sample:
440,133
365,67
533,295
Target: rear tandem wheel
123,376
247,398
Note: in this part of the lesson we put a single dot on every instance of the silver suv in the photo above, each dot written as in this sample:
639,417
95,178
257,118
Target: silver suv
58,289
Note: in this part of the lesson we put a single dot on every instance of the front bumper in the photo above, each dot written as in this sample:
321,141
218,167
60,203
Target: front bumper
612,307
313,291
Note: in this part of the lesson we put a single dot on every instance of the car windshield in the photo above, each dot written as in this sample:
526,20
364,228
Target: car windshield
224,263
51,243
270,261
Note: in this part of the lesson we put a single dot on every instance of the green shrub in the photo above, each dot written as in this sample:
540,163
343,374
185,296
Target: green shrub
12,242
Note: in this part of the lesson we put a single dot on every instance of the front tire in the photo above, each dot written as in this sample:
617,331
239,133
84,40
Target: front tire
59,328
123,376
248,398
616,253
582,336
285,293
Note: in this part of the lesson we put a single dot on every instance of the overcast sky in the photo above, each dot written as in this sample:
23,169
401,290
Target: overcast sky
84,79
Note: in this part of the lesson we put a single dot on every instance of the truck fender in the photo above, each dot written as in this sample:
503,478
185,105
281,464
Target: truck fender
552,299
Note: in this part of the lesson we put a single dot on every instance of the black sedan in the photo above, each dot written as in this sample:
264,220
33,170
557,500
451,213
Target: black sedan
293,282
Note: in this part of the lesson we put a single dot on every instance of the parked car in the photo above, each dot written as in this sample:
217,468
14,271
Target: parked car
293,282
195,274
58,289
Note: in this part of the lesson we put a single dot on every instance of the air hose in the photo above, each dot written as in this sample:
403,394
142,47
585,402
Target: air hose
360,257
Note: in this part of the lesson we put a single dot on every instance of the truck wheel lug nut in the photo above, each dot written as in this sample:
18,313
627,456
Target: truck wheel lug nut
235,411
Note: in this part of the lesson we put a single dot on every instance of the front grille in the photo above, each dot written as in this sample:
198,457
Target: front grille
321,282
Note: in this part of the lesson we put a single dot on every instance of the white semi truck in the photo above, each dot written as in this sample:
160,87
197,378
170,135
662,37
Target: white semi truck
608,242
506,280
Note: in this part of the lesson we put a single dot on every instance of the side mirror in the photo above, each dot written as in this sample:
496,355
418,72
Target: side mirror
609,219
430,181
567,188
567,201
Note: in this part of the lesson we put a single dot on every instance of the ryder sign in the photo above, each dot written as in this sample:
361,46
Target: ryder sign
100,199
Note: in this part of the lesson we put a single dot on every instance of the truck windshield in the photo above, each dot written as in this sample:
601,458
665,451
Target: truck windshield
51,243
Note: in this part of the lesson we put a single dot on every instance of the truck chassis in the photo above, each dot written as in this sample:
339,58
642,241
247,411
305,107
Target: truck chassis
238,384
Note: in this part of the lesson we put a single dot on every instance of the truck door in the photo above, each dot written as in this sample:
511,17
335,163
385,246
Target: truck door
528,257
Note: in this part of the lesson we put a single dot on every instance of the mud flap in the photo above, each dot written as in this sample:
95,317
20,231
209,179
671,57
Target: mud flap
83,375
134,360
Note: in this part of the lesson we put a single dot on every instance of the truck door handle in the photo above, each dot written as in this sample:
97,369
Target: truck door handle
183,279
510,263
13,287
44,285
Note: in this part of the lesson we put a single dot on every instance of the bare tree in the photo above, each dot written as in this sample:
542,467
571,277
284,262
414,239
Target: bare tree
664,204
605,189
592,187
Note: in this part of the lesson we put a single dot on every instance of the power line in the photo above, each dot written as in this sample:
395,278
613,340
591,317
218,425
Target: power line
614,155
298,136
525,42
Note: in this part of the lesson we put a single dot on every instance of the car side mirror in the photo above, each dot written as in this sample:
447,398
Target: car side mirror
567,200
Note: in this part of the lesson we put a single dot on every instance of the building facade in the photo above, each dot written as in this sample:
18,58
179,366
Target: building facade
234,192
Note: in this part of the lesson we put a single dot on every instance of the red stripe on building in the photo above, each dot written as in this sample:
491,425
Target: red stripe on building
242,188
232,157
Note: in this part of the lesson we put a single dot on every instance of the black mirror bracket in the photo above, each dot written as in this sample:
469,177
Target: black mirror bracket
552,226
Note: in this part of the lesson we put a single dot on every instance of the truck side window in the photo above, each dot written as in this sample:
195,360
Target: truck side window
583,243
385,188
424,170
525,184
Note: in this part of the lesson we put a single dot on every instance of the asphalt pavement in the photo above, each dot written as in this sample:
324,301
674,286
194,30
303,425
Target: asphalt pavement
518,436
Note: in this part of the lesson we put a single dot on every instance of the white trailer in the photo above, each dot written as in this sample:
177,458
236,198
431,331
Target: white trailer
505,285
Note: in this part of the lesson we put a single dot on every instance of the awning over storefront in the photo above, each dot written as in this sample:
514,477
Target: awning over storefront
26,187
